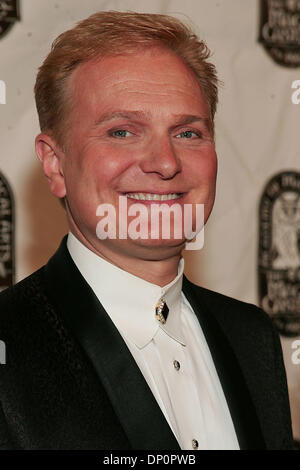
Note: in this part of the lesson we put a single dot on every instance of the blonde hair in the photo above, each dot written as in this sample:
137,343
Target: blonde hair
109,33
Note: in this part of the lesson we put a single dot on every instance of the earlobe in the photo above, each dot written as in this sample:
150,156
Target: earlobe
51,157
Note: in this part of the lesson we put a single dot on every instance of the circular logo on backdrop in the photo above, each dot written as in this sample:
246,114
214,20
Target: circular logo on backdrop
279,251
279,30
7,255
9,14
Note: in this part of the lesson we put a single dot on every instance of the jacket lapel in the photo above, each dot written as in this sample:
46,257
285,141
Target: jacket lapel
138,412
237,394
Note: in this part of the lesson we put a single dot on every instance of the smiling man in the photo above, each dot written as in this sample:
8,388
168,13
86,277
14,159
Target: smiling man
139,126
109,346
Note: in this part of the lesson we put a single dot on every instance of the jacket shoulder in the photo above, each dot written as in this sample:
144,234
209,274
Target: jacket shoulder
232,311
248,328
26,293
256,344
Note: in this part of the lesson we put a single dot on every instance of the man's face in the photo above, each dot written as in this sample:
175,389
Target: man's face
139,124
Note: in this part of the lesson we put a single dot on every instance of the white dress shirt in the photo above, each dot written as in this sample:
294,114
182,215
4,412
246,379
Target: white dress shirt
174,357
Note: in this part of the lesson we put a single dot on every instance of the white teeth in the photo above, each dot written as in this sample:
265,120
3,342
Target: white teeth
152,197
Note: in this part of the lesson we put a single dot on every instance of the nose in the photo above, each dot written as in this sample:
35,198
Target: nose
161,158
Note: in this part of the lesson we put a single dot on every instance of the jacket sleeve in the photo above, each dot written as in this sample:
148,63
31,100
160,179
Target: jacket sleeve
283,396
5,441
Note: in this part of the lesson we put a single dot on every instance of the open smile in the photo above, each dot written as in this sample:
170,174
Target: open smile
153,196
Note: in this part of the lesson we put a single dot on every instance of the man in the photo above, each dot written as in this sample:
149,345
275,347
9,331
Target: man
109,346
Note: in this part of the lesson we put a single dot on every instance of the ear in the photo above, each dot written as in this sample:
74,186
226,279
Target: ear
51,158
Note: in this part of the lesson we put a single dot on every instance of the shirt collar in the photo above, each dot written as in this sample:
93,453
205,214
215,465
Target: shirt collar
129,300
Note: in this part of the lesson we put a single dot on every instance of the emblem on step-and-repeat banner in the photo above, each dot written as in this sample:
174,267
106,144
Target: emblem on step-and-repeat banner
279,30
279,252
7,228
9,14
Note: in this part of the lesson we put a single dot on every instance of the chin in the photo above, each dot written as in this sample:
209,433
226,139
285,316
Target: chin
156,249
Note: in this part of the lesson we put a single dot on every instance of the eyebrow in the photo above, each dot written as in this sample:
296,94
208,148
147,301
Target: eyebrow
121,114
182,119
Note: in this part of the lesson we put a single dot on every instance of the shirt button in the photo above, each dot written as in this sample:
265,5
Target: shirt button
176,365
195,444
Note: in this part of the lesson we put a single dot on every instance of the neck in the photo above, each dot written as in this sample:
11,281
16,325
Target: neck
158,265
160,271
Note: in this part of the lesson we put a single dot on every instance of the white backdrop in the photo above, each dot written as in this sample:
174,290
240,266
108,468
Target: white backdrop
257,135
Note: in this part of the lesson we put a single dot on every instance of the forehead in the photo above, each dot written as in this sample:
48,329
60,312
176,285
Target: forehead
143,78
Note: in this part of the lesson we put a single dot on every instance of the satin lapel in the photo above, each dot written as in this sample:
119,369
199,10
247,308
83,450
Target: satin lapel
132,399
238,398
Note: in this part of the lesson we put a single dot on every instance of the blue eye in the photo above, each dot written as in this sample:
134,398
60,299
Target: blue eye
120,133
188,134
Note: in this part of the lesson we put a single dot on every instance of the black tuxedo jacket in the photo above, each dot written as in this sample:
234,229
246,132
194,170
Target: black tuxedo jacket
70,382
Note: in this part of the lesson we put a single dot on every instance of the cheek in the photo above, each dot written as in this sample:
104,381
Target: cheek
204,169
104,164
